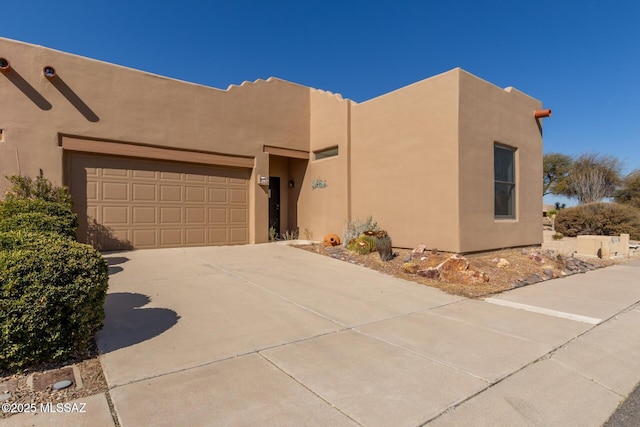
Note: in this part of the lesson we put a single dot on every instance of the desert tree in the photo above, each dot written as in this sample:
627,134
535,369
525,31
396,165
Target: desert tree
556,167
593,177
629,192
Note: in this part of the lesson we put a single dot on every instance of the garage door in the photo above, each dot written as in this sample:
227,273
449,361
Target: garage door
127,203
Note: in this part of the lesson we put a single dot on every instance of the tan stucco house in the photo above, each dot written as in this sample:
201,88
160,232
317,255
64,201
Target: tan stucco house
451,161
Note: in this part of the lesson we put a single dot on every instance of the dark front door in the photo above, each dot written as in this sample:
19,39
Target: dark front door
274,203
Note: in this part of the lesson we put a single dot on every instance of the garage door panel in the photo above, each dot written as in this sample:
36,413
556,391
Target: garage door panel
144,215
217,215
171,215
218,180
145,238
115,215
138,203
171,176
170,193
238,182
144,192
120,234
144,174
195,216
218,195
195,178
92,212
115,191
238,215
111,172
218,236
171,237
194,194
92,191
238,235
238,196
196,236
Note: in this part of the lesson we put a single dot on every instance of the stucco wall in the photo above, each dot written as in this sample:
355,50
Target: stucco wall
489,114
404,170
325,210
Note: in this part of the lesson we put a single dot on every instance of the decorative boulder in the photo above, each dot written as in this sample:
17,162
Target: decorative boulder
410,267
455,269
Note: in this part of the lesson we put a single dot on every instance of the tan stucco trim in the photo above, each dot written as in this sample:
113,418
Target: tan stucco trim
131,150
286,152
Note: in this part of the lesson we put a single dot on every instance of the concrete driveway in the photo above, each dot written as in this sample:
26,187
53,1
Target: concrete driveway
273,335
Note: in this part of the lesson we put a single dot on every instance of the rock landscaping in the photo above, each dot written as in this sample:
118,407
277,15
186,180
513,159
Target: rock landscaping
473,275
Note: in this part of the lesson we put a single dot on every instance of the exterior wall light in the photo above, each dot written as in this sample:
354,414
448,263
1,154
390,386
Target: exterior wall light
291,183
49,72
5,67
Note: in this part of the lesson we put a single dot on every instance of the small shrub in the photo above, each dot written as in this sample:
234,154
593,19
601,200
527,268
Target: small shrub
290,235
25,187
557,236
603,219
308,234
383,244
354,229
272,234
39,222
52,295
13,207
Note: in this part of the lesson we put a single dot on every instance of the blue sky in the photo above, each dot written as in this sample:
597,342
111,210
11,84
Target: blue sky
581,58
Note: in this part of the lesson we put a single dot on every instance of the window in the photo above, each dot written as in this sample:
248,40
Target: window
327,152
505,181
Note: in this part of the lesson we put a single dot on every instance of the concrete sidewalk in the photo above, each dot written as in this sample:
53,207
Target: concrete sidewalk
272,335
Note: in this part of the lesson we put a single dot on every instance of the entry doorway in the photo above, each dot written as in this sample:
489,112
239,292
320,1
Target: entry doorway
274,204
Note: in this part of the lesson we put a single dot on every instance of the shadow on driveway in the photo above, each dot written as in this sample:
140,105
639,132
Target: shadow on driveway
113,262
127,322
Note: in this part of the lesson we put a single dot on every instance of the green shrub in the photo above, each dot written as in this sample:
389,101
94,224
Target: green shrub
13,207
558,236
25,187
354,229
603,219
40,223
52,295
11,240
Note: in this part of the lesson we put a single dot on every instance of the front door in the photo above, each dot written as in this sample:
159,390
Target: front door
274,204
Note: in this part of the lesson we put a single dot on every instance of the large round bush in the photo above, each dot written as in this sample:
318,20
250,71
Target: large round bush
604,219
52,293
35,215
11,240
39,223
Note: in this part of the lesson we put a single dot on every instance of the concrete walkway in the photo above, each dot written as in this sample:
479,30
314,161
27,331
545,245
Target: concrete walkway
272,335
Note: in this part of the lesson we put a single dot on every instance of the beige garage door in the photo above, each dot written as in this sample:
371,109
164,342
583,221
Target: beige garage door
132,203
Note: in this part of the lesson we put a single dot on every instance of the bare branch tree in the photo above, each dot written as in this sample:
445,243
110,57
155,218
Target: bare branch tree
593,177
589,185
